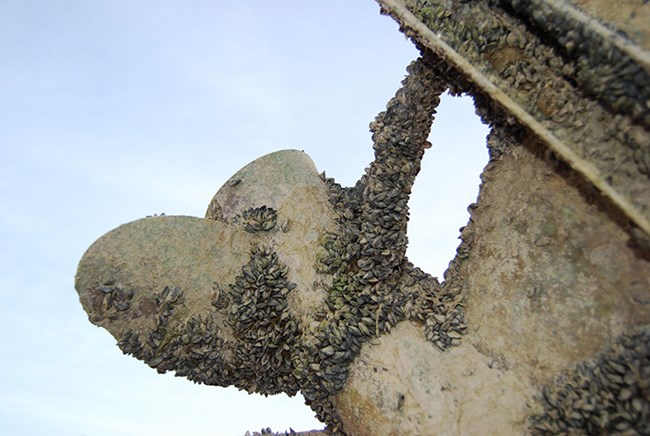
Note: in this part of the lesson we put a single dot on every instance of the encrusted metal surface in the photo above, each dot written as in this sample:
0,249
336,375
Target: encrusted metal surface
581,88
295,283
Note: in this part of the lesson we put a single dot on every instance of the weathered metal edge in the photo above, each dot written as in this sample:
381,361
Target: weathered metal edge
414,28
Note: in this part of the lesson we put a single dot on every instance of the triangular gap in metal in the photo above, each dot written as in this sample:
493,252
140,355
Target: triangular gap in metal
447,184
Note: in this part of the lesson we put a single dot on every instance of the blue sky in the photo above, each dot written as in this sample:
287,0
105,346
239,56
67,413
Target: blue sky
111,110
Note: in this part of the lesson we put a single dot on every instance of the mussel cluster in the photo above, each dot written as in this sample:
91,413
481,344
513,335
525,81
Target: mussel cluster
607,395
115,297
259,219
263,328
192,349
374,286
578,79
251,350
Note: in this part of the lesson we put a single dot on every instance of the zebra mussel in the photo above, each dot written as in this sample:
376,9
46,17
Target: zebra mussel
259,219
265,331
192,348
374,287
268,431
607,395
115,297
569,77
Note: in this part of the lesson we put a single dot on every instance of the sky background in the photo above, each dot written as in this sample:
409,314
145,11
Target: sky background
112,110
